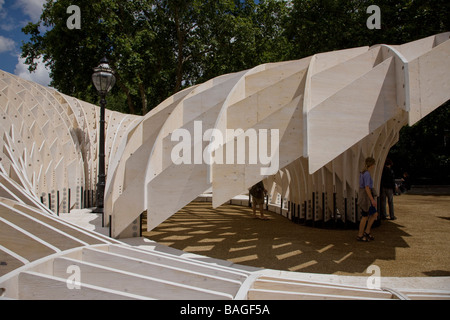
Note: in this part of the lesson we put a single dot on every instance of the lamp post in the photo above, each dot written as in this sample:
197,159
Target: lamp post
103,79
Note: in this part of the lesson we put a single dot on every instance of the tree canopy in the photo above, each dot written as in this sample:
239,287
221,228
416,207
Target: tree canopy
159,47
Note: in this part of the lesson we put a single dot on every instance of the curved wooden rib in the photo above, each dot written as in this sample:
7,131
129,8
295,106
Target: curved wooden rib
330,111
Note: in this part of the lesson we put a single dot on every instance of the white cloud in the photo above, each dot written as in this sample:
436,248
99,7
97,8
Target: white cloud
6,44
41,75
7,25
32,8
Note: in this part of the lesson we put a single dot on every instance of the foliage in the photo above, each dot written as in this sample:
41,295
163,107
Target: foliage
325,25
317,26
424,149
158,47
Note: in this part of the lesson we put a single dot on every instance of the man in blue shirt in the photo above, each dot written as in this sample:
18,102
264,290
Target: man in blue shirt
366,202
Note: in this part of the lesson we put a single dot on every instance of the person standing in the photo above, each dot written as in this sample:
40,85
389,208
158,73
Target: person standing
387,190
405,183
366,202
258,192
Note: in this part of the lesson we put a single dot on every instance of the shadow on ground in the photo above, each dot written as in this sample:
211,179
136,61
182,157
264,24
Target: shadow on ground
231,233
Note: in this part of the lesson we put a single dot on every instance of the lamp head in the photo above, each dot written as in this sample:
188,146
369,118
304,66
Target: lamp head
103,77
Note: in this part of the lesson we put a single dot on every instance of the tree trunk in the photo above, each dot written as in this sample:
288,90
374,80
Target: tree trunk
143,99
131,108
180,38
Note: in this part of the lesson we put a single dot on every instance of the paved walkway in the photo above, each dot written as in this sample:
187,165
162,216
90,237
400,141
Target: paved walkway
414,245
411,252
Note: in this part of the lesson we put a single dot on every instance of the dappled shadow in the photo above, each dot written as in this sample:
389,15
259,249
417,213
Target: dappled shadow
231,233
437,273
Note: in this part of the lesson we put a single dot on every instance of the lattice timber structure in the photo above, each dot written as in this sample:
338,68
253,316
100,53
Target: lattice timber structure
304,127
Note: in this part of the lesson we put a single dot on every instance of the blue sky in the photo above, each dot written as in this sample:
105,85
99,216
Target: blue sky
14,15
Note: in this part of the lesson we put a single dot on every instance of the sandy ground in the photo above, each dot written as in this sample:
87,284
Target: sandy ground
415,245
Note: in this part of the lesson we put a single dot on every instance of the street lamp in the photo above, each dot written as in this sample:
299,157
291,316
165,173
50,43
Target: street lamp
103,79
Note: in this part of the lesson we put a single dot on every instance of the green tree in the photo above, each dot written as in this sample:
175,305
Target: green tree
424,149
319,26
157,47
110,28
316,26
